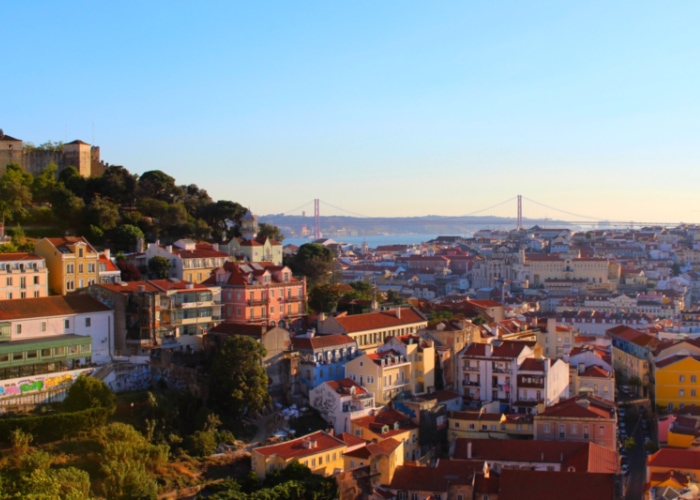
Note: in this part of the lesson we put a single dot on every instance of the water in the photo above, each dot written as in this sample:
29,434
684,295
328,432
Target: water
374,240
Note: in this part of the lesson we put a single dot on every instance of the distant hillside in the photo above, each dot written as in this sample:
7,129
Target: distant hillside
294,225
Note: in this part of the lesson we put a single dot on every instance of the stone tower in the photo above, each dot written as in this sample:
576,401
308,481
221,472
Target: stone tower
249,226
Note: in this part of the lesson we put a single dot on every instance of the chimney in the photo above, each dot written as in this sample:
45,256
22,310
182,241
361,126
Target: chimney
583,402
215,246
488,350
581,368
469,450
107,252
494,331
169,249
189,285
552,325
398,312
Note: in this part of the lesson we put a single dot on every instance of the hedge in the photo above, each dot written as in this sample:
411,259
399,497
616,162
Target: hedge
55,426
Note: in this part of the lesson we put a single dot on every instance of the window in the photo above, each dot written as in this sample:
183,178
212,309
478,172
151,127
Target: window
8,281
18,329
547,428
574,429
80,252
70,285
88,322
70,268
46,353
693,393
693,378
562,431
66,324
681,378
91,267
36,295
81,269
456,426
43,326
472,427
601,430
9,296
36,280
681,393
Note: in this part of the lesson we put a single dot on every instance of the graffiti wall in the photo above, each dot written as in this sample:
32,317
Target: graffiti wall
39,383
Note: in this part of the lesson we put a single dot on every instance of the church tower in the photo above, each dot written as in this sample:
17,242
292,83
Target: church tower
249,226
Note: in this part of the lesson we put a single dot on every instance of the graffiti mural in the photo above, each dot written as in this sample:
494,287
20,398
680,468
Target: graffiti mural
36,383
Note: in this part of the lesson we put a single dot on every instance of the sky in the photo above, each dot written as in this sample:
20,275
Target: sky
390,108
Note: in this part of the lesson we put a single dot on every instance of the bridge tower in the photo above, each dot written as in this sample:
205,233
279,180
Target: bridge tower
520,212
317,218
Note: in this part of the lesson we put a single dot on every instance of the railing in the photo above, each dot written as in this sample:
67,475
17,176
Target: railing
257,302
468,368
470,383
500,369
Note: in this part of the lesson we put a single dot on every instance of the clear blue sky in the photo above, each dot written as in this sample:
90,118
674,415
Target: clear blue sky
380,108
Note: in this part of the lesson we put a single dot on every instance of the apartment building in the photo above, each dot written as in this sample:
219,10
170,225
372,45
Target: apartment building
72,263
23,275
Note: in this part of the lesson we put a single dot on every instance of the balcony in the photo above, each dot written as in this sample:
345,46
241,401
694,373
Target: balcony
501,369
471,383
258,302
470,368
396,385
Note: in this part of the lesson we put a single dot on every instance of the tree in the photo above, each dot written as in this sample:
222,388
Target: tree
119,185
675,269
89,392
129,271
221,214
70,177
394,297
314,261
15,193
159,185
159,267
44,184
102,213
629,443
67,484
125,236
270,231
237,378
324,297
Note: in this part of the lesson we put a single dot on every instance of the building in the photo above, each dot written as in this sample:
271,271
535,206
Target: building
447,479
552,485
556,340
189,260
72,262
340,401
580,418
79,154
592,380
676,380
371,330
319,451
476,425
260,292
47,342
382,457
632,355
402,366
667,460
250,247
389,423
280,366
322,358
540,383
23,275
159,314
560,456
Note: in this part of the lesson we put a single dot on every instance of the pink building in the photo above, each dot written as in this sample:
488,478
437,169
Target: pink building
581,418
259,293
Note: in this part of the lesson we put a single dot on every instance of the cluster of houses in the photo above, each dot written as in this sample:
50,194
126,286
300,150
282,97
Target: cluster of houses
515,392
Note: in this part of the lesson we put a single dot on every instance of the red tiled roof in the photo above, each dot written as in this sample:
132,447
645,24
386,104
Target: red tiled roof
129,286
378,320
344,384
16,256
674,359
296,448
546,485
109,265
383,447
56,305
674,458
321,341
227,328
177,285
66,241
434,479
571,407
532,365
596,371
351,441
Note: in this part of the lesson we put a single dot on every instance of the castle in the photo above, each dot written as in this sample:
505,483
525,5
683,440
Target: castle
81,155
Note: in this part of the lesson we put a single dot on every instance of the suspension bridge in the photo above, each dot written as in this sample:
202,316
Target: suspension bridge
507,213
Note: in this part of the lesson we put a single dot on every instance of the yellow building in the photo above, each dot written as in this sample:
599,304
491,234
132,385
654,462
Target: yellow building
319,451
390,424
476,425
386,374
73,263
676,381
381,457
